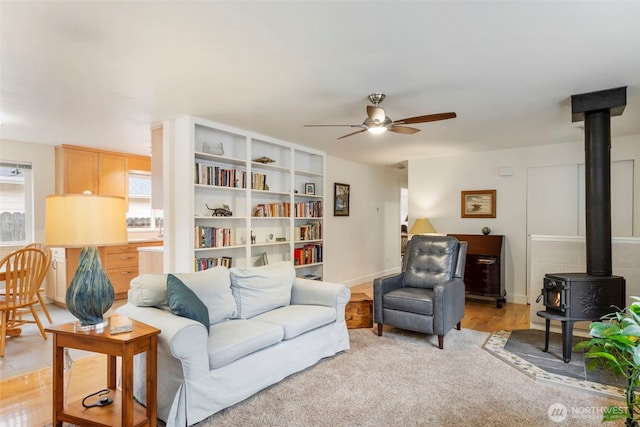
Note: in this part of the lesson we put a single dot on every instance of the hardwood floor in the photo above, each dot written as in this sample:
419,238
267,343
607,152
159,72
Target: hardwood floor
481,315
25,400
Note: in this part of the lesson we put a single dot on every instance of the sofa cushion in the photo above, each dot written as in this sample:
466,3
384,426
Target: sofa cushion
233,339
297,319
212,286
148,290
260,289
184,302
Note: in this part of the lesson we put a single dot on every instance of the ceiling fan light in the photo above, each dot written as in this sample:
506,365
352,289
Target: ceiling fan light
377,129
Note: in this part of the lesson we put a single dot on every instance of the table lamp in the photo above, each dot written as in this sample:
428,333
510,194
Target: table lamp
422,226
87,221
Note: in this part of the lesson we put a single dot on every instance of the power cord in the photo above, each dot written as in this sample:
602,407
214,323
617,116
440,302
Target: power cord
103,401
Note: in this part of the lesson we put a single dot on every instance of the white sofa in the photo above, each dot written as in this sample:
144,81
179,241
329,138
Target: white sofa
264,324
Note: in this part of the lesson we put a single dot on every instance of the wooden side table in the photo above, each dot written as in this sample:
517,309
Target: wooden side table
359,311
123,411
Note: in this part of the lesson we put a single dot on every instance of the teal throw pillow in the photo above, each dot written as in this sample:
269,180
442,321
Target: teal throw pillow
185,303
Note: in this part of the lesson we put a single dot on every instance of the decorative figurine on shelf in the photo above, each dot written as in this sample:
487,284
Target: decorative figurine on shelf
264,160
213,148
486,231
253,238
223,211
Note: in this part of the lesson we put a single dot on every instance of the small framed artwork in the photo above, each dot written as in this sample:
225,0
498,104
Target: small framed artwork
478,204
341,199
310,188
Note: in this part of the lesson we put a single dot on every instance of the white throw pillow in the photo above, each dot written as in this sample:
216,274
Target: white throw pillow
148,290
213,287
260,289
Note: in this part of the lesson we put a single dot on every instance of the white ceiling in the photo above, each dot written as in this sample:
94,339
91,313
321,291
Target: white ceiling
101,73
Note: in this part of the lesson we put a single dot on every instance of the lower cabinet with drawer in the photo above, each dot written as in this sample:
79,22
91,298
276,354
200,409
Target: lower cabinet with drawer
119,262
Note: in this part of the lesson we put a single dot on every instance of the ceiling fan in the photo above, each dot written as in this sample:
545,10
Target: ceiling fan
377,120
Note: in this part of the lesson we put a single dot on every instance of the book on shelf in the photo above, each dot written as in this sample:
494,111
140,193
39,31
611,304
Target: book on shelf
272,210
212,237
309,209
259,181
308,254
206,263
206,174
309,231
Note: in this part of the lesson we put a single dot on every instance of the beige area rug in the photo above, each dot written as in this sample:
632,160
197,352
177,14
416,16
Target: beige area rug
403,379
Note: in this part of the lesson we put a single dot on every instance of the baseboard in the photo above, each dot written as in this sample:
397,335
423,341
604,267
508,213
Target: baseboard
369,277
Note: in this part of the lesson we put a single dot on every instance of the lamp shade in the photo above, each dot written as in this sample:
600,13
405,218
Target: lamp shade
79,220
422,226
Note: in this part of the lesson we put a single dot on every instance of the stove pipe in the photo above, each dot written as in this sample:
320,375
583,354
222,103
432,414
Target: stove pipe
596,109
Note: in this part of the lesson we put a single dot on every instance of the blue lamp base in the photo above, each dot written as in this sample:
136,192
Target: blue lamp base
90,293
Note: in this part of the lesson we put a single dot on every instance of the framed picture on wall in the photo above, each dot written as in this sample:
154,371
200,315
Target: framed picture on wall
341,199
478,204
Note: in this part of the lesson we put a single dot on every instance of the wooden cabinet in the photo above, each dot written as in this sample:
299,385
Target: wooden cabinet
56,288
113,175
121,265
484,272
80,169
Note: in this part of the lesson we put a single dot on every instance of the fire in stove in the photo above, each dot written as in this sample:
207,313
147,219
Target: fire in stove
556,299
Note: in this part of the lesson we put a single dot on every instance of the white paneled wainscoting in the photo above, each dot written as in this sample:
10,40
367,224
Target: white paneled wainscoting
567,254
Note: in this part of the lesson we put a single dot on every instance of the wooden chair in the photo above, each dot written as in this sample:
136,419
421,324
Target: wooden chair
23,270
41,290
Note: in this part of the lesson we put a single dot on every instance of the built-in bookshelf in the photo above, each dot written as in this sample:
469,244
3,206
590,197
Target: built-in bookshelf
242,199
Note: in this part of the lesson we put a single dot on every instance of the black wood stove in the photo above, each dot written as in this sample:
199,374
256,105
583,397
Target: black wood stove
572,297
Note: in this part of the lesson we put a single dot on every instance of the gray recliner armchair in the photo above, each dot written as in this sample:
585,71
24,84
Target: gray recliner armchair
428,295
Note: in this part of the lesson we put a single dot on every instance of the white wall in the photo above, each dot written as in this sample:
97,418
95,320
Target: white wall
42,159
366,244
435,185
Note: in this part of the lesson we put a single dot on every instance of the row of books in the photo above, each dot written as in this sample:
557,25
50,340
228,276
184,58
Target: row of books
212,237
309,209
272,209
259,181
215,175
302,210
309,231
205,263
308,254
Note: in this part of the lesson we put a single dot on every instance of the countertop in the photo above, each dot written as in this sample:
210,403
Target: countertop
151,249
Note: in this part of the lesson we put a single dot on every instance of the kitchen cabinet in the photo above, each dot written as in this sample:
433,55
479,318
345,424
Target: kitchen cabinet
80,169
56,288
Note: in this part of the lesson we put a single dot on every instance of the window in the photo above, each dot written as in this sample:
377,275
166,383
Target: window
140,214
16,203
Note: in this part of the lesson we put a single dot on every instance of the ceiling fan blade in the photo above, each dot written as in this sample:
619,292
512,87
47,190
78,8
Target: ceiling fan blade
318,126
403,129
427,118
353,133
376,113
